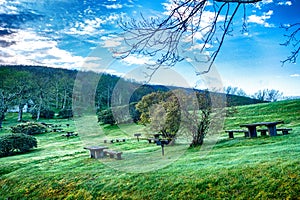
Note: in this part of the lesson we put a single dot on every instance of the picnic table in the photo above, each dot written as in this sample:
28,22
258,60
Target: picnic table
270,125
96,151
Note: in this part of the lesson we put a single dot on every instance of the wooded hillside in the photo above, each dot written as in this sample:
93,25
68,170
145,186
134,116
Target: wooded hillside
48,91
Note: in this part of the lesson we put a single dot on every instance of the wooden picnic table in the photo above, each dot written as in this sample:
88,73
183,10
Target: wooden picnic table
270,125
96,151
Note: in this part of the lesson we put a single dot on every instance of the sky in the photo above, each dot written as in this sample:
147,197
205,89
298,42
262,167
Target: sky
80,34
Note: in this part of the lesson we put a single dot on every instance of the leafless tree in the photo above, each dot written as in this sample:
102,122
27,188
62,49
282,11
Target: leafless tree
293,40
164,39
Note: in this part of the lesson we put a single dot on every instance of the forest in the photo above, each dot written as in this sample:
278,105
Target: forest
48,92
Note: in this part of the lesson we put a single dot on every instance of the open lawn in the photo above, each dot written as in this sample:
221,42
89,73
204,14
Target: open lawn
240,168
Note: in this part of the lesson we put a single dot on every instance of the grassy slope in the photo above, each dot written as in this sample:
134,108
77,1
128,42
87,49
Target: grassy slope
266,168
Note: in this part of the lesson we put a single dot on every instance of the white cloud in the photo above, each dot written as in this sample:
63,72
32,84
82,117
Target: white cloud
111,41
262,3
92,59
87,27
114,6
6,8
92,26
137,60
285,3
262,20
32,49
295,75
200,46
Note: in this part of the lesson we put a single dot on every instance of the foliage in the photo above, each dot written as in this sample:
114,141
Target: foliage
119,115
65,113
162,111
44,113
197,120
29,128
16,142
134,113
106,117
52,88
169,111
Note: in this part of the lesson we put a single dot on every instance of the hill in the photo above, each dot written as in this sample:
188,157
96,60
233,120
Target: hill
58,86
240,168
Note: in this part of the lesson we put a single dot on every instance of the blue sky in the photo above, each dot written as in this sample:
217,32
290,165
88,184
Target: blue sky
79,34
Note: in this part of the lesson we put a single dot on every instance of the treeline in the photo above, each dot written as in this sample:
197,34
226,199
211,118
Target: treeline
261,95
49,91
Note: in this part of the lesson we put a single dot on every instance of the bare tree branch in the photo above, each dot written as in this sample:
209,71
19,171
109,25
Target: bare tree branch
163,39
293,40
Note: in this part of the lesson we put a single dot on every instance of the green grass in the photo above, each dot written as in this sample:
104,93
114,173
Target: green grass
240,168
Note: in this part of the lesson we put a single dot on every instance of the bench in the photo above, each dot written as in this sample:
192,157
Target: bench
152,139
137,135
284,131
263,132
57,130
117,140
230,132
112,154
69,134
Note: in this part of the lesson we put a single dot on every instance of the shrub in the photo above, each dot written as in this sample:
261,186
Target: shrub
45,113
65,113
16,142
29,128
119,115
106,117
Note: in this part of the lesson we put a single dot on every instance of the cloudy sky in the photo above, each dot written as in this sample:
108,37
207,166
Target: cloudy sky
79,34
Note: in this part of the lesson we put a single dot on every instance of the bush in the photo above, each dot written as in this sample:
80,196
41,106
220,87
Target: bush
65,113
119,115
29,128
106,117
45,113
16,142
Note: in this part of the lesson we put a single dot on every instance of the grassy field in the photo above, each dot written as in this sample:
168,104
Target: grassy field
240,168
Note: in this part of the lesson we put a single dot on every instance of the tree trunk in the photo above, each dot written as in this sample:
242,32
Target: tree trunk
20,113
2,117
57,97
38,114
65,99
2,108
108,97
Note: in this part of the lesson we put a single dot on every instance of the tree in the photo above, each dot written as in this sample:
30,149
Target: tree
293,41
268,95
235,91
273,95
177,112
9,91
3,107
162,111
106,117
21,88
197,117
161,38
